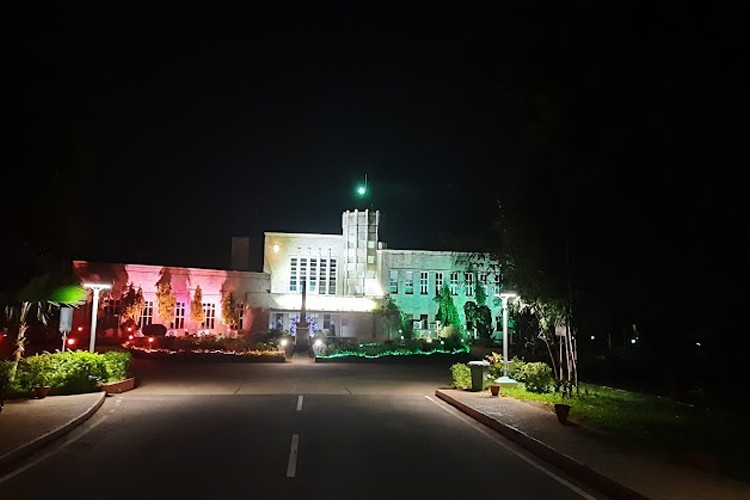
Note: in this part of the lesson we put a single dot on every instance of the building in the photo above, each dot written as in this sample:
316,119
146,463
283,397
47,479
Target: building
345,277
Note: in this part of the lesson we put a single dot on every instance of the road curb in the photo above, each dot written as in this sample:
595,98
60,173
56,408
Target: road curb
32,446
600,482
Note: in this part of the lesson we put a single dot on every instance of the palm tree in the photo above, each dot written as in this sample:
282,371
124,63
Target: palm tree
39,297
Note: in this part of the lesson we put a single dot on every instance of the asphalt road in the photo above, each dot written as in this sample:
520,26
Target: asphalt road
293,430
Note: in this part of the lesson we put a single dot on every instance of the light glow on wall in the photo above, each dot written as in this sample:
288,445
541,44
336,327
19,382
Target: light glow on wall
293,301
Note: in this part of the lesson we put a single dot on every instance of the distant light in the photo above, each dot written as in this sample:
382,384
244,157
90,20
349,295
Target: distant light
318,343
150,340
80,328
276,248
361,190
632,341
402,337
130,328
698,344
429,340
71,341
592,337
284,342
130,337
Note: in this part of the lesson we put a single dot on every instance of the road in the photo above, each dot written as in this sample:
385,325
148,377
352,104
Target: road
292,430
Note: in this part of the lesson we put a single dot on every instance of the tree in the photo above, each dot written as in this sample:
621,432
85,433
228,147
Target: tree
197,313
229,313
447,313
390,314
165,297
132,305
40,296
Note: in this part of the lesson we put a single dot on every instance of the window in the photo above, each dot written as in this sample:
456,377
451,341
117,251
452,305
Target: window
241,316
454,283
313,276
302,273
293,275
332,278
147,314
423,283
179,316
483,282
469,284
438,282
322,277
210,311
409,283
393,283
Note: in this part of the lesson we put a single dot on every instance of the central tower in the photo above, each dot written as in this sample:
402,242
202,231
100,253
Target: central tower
361,230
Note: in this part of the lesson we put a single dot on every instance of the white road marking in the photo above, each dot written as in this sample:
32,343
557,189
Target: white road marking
291,468
70,441
499,440
299,403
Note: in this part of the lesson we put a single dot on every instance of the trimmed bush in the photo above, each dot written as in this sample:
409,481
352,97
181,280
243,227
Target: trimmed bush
154,330
461,374
536,377
117,364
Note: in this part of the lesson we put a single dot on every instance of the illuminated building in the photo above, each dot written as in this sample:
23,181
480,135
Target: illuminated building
346,277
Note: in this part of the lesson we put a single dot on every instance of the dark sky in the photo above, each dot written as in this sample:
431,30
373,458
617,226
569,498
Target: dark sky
155,133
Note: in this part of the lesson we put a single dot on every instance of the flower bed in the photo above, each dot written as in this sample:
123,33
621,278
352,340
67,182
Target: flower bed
248,356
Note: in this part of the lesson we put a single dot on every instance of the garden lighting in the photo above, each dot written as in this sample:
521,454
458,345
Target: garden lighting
95,288
505,297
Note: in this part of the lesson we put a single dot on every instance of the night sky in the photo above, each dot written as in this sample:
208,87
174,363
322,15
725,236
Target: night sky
147,134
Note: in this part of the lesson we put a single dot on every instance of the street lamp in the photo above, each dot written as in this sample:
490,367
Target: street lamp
95,288
505,297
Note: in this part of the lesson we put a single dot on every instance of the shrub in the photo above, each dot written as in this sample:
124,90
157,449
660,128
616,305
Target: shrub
117,364
5,367
497,368
537,377
461,374
79,371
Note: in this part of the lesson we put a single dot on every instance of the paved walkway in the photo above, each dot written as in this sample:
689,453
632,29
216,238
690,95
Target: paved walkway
591,457
28,424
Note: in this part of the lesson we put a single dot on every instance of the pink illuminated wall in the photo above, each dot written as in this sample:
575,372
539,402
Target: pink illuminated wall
248,288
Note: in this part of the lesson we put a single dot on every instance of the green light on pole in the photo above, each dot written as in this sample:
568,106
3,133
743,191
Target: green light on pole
362,188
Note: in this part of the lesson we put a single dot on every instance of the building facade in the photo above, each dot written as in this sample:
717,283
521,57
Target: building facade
345,277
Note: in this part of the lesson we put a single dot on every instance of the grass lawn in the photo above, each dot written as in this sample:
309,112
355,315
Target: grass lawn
658,423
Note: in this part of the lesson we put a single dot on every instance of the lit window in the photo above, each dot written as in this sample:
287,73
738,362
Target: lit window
469,284
423,283
438,282
409,283
323,277
210,312
393,284
147,314
179,316
313,288
293,275
332,278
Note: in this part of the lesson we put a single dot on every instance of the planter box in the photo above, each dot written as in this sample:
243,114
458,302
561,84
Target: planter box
119,386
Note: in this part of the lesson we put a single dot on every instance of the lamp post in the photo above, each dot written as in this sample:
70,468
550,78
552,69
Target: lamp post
505,297
95,288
